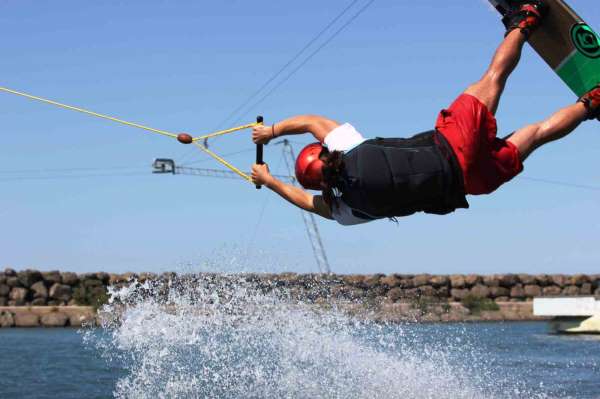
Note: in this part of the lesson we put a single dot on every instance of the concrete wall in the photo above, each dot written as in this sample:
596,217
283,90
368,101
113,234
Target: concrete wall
46,316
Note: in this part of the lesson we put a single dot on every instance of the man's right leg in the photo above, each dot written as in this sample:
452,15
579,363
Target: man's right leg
490,87
519,23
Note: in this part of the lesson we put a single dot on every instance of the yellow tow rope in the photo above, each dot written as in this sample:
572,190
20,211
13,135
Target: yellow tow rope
150,129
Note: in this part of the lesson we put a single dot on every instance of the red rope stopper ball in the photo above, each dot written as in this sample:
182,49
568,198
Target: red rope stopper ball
184,138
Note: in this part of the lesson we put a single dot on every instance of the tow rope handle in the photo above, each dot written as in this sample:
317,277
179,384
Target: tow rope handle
259,150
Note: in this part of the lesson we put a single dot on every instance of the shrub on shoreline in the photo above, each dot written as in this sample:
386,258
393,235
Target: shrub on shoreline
477,304
90,296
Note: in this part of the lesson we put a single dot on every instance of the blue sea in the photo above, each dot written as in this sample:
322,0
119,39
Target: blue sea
247,344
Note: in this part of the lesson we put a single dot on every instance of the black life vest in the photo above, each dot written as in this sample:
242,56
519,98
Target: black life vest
392,177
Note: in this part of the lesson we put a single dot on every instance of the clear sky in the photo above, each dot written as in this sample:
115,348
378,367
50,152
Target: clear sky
186,65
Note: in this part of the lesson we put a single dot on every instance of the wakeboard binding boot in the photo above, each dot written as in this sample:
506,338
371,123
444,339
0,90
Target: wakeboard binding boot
591,100
525,15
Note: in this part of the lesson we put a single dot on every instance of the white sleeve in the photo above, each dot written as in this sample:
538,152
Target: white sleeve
344,216
343,138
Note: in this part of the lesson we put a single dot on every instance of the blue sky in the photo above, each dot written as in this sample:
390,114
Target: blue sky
185,65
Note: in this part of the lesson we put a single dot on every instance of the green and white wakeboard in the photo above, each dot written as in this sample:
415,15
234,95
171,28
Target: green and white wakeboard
567,44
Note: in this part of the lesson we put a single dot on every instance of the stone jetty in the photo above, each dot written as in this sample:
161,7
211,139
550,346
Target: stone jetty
31,298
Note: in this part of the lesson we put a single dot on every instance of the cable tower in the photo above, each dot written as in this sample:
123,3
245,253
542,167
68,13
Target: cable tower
166,165
309,219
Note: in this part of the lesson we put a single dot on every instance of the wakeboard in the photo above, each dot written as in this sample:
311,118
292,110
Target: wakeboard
568,45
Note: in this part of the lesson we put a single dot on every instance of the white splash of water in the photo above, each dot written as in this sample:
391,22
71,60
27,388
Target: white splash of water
208,337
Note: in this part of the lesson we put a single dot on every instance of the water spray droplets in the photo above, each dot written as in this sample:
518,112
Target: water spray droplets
229,336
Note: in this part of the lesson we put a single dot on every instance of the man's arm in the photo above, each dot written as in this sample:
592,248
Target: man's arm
318,126
295,195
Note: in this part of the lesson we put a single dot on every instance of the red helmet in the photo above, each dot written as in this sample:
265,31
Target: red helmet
309,167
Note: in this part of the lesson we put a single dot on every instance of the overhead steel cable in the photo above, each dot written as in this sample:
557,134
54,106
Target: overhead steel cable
310,56
67,170
263,208
286,65
560,183
71,173
230,154
65,177
249,99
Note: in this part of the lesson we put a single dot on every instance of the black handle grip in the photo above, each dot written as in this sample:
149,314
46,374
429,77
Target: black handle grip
259,150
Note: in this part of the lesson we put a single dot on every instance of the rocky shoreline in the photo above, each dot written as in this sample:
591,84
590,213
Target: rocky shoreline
33,298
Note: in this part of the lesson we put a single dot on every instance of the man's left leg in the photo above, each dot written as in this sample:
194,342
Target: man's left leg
520,23
563,122
491,85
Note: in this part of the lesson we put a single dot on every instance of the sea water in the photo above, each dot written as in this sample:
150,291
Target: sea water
231,340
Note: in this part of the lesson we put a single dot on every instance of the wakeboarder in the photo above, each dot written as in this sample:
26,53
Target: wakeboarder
367,179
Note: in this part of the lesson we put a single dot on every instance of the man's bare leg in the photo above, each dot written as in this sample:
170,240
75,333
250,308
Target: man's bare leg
490,87
563,122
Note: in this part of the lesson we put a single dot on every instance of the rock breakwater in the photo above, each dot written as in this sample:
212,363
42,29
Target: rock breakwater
54,288
389,297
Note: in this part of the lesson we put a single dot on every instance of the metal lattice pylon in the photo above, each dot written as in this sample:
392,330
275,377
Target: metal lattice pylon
309,219
164,165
